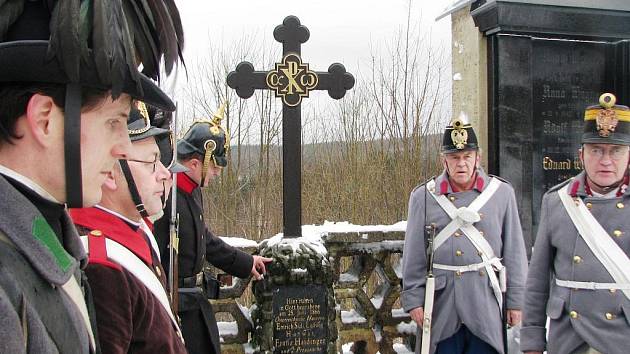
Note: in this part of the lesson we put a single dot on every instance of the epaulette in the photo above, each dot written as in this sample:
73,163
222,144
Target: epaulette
422,184
500,179
559,186
97,250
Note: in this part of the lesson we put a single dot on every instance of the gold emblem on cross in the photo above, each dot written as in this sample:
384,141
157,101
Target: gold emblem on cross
291,80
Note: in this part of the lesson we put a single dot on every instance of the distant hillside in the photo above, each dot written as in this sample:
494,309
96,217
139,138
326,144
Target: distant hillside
249,154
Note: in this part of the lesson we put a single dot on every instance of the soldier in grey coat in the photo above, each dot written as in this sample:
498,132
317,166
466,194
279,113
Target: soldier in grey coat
578,275
68,73
469,278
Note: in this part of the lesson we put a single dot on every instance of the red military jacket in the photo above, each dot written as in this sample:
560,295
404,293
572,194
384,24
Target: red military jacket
129,317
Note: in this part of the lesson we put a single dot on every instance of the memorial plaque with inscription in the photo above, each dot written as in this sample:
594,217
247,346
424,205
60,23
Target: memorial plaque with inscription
300,324
567,76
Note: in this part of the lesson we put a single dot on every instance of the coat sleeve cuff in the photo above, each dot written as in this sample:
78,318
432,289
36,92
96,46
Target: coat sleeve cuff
533,339
243,264
412,298
514,298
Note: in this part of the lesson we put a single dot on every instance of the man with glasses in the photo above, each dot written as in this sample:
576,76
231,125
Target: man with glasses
133,312
203,151
579,275
464,253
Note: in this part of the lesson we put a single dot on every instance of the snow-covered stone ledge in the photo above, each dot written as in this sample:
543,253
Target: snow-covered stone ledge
366,271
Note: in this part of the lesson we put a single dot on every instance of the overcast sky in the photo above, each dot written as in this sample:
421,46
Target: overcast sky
343,31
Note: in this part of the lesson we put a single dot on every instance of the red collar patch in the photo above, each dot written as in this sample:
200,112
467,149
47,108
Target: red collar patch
186,183
115,229
576,186
480,184
444,187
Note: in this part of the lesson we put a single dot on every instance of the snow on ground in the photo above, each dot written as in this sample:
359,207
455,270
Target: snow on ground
407,327
239,242
227,328
352,316
377,301
401,349
348,277
313,235
396,313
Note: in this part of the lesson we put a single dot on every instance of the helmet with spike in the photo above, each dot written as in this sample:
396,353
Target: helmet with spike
208,139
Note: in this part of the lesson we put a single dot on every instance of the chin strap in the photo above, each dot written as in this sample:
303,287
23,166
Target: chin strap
133,190
72,146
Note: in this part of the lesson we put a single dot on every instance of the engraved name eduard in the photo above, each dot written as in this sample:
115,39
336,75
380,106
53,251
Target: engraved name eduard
291,80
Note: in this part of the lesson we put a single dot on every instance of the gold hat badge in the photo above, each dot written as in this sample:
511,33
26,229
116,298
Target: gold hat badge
606,118
144,113
459,135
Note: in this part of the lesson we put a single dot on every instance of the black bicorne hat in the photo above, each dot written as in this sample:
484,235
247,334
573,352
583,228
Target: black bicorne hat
607,122
208,139
86,43
459,136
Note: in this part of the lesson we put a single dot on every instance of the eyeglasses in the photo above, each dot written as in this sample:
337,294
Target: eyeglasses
152,163
616,152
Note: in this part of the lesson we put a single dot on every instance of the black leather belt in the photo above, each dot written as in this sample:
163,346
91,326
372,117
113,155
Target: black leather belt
191,282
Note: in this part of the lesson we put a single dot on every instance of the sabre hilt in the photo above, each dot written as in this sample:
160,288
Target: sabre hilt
430,236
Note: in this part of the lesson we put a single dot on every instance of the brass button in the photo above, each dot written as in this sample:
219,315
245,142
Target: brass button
458,253
573,314
617,233
481,215
612,291
620,205
609,316
589,205
482,272
577,259
96,233
157,271
479,253
481,233
458,273
457,234
451,198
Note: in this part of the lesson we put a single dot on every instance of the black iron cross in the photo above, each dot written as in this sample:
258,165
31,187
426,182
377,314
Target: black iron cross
291,80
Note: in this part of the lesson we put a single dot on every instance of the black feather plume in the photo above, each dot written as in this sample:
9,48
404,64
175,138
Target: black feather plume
10,10
64,37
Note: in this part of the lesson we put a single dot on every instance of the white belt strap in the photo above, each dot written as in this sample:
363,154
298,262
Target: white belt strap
471,267
589,285
612,257
72,289
463,219
124,257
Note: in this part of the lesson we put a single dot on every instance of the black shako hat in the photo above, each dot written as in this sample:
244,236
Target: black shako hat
140,127
208,139
607,122
459,135
95,44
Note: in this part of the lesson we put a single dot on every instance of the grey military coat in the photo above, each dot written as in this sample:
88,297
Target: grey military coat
466,298
36,316
600,318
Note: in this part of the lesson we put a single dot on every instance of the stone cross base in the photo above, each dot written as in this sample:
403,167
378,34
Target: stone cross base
295,306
